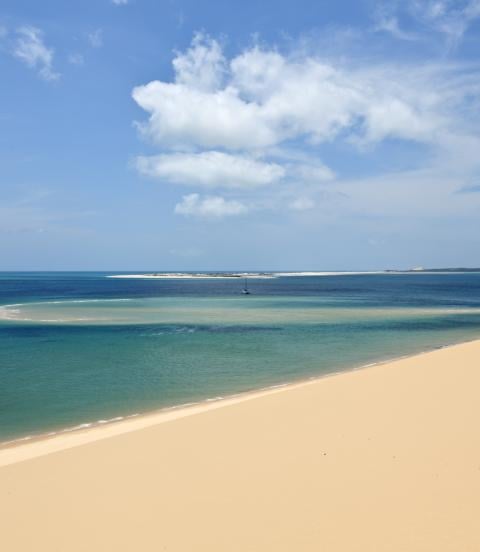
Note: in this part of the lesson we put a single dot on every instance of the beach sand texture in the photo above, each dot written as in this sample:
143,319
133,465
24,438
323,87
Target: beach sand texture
384,459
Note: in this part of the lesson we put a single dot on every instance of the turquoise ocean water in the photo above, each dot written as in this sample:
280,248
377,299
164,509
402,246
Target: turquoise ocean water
79,348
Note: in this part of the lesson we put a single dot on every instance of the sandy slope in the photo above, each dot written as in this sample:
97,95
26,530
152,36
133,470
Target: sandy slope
383,459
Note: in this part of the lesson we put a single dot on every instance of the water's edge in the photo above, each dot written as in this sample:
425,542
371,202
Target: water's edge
190,408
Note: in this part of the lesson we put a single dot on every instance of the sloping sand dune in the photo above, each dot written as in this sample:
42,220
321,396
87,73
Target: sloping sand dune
379,460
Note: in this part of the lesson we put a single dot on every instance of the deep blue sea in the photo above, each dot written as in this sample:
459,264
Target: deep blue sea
79,348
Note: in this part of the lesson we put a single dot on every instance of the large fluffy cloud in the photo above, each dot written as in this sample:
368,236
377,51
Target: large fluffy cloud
182,116
263,118
261,98
202,67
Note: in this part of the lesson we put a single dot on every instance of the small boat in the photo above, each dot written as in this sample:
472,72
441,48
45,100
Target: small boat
245,289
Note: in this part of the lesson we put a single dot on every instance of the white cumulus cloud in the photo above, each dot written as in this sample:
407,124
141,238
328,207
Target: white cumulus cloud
182,116
261,98
209,207
202,66
30,48
210,169
262,118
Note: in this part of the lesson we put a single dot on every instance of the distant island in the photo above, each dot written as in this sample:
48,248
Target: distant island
270,275
194,275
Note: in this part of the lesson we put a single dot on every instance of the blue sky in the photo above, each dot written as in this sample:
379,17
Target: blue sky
160,135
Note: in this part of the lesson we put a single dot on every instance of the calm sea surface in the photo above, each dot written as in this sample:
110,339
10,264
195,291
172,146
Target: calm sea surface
77,348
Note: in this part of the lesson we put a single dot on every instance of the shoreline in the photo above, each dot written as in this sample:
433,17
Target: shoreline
33,446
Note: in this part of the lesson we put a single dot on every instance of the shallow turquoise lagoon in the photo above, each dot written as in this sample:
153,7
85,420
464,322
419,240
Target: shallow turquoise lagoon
80,348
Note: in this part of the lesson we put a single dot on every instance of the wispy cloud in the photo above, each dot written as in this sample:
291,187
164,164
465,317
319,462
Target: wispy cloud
120,2
209,207
452,18
387,21
302,204
448,18
30,48
76,59
95,38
